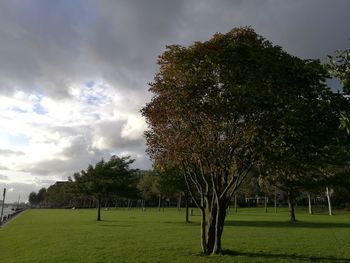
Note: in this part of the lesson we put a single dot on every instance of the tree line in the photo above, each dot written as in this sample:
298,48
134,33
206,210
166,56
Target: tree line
113,183
166,188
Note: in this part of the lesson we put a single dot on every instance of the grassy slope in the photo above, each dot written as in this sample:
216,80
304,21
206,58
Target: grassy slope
152,236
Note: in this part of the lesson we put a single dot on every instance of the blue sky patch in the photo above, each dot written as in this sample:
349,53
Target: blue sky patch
90,83
37,108
17,109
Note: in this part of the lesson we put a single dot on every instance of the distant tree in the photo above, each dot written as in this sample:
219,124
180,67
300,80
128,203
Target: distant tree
250,187
105,179
336,178
59,194
341,187
148,186
171,183
33,199
41,196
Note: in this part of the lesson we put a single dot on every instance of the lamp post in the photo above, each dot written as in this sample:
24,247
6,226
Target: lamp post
3,204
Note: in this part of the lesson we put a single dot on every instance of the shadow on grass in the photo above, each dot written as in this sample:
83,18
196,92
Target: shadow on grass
182,223
113,223
300,224
116,225
263,224
285,256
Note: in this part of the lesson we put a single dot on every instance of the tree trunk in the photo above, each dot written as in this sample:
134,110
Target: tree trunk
309,200
203,230
236,203
211,229
179,203
219,225
159,202
291,206
265,204
275,200
187,214
329,201
99,209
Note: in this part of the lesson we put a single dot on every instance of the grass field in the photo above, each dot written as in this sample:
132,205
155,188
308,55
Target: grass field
134,236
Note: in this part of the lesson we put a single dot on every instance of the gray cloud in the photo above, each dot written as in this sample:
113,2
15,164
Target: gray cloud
82,152
3,177
22,190
111,133
47,45
6,152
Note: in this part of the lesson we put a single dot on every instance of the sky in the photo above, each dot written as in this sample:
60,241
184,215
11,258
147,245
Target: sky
74,74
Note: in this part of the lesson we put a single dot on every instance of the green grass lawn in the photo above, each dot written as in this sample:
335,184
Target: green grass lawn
134,236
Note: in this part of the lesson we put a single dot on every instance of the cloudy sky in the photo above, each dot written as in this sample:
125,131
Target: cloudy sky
74,74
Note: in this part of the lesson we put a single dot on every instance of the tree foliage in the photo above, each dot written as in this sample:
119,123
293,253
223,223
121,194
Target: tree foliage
32,198
339,67
148,185
38,199
171,180
59,194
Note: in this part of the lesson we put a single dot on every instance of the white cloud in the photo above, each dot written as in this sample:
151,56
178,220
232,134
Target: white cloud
134,127
60,137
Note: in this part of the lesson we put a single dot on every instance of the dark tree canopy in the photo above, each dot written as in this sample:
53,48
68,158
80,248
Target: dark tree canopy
59,194
32,198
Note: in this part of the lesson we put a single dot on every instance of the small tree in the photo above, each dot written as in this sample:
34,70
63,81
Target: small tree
41,196
33,199
148,186
106,179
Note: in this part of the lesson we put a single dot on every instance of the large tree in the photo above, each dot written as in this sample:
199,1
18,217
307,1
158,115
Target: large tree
216,107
